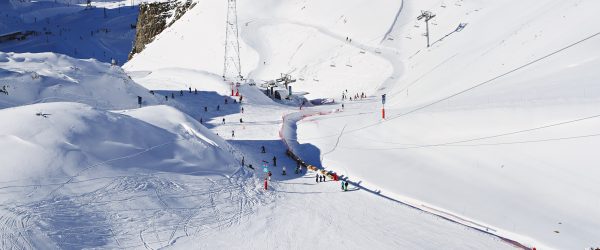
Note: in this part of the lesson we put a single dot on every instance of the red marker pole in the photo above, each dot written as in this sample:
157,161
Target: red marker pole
383,106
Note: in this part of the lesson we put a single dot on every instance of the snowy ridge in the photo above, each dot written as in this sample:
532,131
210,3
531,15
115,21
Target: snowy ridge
48,77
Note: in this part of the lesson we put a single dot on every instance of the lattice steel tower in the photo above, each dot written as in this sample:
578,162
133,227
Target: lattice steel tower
232,67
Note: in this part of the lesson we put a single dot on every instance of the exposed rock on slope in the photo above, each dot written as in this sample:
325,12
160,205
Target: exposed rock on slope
154,18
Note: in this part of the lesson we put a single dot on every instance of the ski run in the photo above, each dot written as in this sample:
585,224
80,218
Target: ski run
299,124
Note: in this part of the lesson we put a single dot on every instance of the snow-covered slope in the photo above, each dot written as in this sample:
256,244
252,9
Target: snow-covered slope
74,137
494,126
497,122
48,77
104,32
304,38
491,46
514,66
82,177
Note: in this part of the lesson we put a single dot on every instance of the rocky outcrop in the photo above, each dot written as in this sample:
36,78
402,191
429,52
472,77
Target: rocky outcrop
153,18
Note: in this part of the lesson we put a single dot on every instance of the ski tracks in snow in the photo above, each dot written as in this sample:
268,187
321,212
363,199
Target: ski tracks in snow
129,211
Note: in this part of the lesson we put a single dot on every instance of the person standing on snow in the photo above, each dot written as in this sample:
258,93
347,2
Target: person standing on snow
262,149
274,161
346,186
218,107
266,183
205,109
317,178
283,173
343,185
232,133
223,120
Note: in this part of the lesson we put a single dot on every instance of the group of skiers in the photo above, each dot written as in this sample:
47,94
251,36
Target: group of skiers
263,150
298,170
180,93
356,96
218,108
320,178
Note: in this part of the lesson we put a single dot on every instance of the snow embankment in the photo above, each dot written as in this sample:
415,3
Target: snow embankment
72,138
47,77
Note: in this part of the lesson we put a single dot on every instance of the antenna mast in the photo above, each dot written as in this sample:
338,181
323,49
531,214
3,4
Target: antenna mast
232,67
